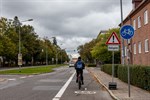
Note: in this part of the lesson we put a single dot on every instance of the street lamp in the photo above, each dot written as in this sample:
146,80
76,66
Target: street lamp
18,23
61,54
46,49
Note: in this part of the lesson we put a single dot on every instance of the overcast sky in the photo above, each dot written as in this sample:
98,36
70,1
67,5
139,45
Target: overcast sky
72,22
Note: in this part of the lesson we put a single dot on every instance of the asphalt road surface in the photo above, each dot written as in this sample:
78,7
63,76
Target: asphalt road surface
58,85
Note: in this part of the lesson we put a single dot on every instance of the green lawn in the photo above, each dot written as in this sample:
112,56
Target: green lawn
31,71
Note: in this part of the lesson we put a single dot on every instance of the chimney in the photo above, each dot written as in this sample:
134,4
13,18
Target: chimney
135,3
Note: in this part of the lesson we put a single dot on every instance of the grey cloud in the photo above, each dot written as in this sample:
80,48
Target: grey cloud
67,19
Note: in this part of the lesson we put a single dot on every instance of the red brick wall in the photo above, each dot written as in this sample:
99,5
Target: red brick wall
141,34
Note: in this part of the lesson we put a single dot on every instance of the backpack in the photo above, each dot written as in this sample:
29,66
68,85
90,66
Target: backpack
79,65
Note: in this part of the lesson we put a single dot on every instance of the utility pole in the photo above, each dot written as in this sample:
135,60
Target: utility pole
122,48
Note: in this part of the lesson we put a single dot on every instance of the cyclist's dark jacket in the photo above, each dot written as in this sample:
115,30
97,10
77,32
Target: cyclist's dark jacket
83,65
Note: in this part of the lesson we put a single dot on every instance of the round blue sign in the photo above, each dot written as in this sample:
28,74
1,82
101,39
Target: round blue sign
127,31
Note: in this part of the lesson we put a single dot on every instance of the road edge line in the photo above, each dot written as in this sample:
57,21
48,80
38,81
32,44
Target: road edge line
62,90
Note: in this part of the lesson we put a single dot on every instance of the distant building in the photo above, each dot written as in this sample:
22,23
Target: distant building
139,45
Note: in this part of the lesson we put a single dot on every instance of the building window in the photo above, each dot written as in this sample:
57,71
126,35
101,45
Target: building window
134,24
139,22
134,46
146,17
140,47
146,45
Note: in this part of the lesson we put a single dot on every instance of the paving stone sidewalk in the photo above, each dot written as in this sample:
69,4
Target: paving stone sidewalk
122,88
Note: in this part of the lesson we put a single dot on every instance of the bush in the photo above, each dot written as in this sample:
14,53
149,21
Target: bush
108,69
139,75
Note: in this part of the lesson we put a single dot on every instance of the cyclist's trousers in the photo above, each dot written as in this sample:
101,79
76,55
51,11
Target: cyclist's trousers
80,71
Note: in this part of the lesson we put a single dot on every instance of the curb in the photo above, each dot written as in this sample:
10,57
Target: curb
110,92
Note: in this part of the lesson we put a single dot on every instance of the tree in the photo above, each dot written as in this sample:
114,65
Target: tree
33,49
100,51
85,51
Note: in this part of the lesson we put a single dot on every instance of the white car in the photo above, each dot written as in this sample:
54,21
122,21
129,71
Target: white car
71,64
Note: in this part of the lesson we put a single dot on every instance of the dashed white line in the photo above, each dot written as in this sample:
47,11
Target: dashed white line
30,76
62,90
23,77
12,79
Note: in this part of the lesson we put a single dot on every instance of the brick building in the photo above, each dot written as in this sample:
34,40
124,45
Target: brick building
139,46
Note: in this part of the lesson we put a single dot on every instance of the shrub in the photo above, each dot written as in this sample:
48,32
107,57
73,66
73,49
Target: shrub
139,75
108,69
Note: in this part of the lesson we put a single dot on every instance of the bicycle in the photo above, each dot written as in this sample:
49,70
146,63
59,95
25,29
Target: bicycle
79,80
127,32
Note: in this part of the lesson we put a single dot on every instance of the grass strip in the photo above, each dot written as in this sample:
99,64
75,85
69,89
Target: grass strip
31,70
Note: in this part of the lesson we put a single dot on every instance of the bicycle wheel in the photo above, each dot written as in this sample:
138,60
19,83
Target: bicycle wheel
79,82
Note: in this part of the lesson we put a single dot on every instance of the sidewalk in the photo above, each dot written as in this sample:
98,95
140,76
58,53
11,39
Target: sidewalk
122,88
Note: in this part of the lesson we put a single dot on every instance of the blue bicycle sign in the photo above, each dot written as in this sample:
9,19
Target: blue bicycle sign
127,31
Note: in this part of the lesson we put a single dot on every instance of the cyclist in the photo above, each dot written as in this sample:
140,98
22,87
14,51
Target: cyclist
79,66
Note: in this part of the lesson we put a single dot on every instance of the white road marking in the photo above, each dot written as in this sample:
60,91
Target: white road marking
62,90
12,79
30,76
85,89
84,92
23,77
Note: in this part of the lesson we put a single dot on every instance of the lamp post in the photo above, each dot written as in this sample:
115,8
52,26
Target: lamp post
123,51
57,53
46,49
62,53
18,23
57,56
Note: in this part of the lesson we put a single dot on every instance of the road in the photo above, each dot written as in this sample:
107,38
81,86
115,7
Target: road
58,85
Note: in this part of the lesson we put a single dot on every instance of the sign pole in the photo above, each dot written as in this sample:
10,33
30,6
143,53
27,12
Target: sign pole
113,45
113,66
127,32
128,71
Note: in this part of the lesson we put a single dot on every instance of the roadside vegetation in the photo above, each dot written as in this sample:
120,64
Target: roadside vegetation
33,48
31,70
140,75
96,50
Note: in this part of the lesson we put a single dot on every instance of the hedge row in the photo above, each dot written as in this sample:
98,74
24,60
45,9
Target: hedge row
108,69
139,75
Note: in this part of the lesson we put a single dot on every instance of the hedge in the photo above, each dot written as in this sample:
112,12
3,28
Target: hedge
139,75
108,69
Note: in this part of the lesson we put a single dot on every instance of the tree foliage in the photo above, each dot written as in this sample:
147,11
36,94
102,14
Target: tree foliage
33,48
97,49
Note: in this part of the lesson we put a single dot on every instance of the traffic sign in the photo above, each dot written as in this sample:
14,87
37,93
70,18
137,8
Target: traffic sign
127,31
113,39
113,47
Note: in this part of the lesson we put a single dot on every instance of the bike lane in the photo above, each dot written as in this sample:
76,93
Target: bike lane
91,90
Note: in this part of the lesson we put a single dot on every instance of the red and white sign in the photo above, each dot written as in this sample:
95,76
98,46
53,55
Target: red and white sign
113,39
